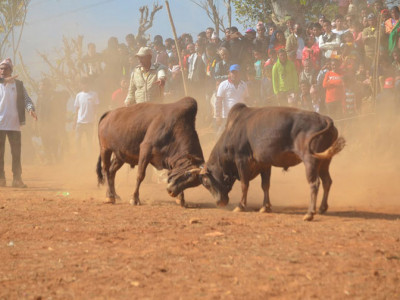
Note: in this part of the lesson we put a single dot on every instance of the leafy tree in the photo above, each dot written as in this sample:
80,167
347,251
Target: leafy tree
12,20
249,12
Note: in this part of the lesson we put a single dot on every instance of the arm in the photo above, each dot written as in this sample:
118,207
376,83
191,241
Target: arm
29,106
275,79
130,97
329,45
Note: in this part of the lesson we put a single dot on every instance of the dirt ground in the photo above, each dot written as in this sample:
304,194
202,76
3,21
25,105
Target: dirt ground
59,241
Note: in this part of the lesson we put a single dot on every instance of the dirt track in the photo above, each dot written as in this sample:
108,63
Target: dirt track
59,241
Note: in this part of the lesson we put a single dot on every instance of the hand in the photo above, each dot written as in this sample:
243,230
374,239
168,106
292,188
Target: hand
161,82
33,115
10,79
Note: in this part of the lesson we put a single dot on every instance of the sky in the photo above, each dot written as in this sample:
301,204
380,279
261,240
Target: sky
97,20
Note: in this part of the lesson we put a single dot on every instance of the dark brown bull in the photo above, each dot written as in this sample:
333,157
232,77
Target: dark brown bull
161,134
255,139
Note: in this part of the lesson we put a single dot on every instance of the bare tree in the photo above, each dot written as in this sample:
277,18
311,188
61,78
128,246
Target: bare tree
67,69
209,6
12,20
146,21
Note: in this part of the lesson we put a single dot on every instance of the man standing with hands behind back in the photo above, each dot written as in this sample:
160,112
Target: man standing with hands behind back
13,101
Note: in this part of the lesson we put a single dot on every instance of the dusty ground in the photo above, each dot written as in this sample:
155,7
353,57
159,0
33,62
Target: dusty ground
59,241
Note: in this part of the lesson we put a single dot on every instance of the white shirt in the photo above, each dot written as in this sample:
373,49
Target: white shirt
230,96
9,119
86,102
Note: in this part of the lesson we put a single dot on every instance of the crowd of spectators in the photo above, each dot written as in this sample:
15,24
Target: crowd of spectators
328,66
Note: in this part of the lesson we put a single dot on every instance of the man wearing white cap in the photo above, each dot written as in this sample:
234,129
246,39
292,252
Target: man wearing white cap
147,80
13,101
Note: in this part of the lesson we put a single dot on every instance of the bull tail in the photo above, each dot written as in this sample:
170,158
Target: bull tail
335,148
99,171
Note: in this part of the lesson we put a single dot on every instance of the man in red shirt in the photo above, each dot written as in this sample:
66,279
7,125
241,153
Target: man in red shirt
118,96
335,93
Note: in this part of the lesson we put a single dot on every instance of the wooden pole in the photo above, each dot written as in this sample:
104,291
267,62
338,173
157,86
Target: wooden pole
376,63
177,47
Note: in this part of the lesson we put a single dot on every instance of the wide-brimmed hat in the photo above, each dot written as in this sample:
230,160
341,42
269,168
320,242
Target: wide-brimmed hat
144,51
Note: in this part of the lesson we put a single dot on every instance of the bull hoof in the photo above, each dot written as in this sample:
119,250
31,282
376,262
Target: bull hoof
308,217
239,209
323,210
110,200
180,202
134,202
265,209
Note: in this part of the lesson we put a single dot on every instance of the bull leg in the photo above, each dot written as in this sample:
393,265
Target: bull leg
180,199
144,159
116,164
244,182
326,184
106,159
265,184
313,180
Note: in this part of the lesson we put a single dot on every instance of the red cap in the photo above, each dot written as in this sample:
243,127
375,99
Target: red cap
389,83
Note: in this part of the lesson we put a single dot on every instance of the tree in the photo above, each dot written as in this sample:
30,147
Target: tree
12,20
66,69
251,11
213,13
146,20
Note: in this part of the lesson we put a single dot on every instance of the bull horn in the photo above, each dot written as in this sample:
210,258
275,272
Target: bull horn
203,170
195,170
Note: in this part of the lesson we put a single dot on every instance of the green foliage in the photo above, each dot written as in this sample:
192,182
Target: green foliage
249,12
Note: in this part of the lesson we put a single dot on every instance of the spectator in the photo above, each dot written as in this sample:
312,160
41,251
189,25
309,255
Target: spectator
131,43
278,41
237,47
52,107
284,78
92,62
305,101
335,93
86,108
266,89
391,23
147,88
161,53
311,52
119,95
231,91
340,26
209,32
308,73
370,36
14,100
222,67
329,42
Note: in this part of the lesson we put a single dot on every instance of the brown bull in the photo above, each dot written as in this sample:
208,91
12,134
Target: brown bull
161,134
255,139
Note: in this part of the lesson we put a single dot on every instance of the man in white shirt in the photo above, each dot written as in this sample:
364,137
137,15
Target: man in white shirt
329,42
14,100
231,91
86,104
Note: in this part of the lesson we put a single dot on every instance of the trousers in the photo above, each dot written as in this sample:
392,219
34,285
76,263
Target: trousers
14,138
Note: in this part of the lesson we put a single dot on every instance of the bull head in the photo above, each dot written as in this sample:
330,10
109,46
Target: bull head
179,181
217,184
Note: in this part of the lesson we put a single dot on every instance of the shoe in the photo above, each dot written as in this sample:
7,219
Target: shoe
18,183
2,182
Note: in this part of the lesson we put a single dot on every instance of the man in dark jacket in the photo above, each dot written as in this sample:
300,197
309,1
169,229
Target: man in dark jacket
13,101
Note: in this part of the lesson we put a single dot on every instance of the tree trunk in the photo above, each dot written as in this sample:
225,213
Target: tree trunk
283,8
